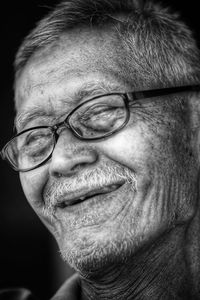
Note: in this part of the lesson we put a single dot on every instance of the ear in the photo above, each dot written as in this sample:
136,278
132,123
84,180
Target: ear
194,121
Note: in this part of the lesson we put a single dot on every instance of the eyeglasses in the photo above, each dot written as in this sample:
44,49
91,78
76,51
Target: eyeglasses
97,118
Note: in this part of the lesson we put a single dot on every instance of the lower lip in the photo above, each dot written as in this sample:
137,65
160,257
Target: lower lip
91,201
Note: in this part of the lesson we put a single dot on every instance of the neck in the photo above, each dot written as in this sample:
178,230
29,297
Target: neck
161,271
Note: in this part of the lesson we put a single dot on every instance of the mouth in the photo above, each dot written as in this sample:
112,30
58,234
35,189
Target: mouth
84,196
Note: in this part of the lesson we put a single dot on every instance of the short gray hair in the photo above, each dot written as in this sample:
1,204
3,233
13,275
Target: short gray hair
158,44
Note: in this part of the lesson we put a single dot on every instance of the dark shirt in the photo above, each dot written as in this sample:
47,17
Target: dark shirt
16,294
70,290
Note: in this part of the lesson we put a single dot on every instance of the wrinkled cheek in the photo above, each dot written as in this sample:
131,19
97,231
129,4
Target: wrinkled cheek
33,183
176,190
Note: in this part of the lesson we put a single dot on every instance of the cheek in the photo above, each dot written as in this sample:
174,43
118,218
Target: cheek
131,148
33,183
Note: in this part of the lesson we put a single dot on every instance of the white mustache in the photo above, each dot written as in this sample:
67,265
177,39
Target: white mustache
96,178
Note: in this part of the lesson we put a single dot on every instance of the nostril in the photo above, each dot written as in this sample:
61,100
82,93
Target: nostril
75,169
57,175
62,174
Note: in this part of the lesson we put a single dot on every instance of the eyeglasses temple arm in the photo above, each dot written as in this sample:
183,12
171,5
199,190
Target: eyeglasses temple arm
165,91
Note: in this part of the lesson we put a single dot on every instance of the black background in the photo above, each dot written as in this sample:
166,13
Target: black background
28,254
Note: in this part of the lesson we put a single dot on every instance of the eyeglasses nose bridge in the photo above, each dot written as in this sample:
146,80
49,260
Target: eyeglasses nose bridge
58,127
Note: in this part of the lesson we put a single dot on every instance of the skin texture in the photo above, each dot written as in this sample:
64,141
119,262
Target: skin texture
135,242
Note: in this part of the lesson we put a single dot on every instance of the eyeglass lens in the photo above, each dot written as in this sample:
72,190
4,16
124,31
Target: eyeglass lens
99,117
31,148
94,119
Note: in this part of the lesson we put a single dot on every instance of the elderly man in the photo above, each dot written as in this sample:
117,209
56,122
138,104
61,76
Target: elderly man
107,146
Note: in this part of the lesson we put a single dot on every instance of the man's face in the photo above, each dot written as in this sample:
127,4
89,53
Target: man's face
139,180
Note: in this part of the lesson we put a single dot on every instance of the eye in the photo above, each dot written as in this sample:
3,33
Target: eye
37,137
99,116
34,142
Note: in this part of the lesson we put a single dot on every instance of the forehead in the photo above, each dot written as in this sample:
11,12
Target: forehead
81,57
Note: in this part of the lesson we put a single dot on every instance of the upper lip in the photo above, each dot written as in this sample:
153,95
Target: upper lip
80,195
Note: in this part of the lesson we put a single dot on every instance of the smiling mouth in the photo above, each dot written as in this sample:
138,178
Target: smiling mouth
81,198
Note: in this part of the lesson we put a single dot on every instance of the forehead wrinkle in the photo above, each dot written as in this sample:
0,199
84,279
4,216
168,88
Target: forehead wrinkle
82,61
96,56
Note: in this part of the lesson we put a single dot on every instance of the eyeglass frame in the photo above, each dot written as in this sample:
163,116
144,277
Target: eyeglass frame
137,95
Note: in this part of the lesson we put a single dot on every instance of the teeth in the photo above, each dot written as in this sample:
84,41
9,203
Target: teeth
105,189
67,203
110,188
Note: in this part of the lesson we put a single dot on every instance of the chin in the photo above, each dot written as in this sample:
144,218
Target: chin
90,257
94,258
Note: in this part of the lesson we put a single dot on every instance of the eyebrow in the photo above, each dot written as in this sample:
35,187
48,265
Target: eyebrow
26,117
86,91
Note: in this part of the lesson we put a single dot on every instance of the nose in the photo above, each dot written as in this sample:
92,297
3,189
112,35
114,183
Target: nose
71,156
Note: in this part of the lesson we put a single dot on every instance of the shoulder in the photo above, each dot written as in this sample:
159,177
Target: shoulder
16,294
70,290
